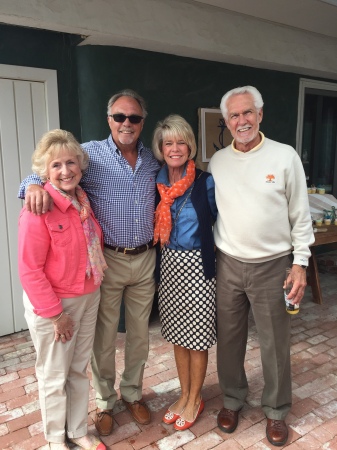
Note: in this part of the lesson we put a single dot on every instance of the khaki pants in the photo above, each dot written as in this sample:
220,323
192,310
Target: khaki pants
259,286
131,278
61,368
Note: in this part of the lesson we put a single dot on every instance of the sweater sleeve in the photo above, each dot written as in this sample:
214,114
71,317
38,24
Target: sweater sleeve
34,245
302,235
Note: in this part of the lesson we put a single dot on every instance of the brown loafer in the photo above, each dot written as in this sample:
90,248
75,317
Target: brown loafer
104,422
139,411
277,432
228,420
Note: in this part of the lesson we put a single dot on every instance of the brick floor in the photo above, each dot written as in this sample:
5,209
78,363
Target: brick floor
312,420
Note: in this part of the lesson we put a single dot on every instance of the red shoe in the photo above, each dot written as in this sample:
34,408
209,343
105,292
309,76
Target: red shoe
96,444
182,424
170,417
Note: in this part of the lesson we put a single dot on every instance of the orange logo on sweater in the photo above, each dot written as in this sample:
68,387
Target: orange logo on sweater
270,178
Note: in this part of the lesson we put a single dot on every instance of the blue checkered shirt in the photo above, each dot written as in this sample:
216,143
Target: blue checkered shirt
122,199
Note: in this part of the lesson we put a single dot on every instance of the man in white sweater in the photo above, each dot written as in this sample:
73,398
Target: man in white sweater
263,227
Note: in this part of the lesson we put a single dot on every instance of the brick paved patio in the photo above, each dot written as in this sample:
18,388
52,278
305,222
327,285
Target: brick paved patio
313,418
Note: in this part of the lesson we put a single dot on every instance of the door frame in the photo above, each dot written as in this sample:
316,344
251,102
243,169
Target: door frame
308,84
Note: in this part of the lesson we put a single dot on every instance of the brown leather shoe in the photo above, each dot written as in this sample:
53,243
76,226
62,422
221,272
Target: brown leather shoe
139,411
104,422
228,420
277,432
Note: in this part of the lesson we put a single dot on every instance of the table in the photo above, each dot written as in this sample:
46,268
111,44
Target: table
324,238
319,202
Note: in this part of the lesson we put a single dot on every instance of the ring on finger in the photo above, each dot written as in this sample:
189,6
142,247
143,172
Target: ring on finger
62,335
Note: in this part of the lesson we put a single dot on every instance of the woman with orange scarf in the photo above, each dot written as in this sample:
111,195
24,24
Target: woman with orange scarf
183,227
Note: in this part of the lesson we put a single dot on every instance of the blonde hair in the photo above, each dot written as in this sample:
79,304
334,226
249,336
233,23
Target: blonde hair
50,145
173,126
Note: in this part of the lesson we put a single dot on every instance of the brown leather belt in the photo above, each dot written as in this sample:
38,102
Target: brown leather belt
131,251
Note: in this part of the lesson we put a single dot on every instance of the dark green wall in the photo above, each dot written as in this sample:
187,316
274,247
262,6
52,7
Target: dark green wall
21,46
173,84
89,75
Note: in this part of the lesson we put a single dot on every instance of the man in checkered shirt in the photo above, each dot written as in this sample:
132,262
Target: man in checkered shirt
120,183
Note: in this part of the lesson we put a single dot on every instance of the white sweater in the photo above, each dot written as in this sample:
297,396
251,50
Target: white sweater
262,200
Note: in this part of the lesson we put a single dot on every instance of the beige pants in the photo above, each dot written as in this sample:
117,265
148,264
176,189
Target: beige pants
61,368
131,278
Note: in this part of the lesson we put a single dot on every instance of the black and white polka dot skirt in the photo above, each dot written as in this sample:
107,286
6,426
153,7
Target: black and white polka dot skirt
186,300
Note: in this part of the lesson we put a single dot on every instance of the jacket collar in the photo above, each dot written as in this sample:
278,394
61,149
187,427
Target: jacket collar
61,202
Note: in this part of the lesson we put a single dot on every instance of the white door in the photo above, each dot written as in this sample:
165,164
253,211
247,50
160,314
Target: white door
28,108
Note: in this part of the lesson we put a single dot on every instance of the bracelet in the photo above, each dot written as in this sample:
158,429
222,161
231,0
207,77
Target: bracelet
59,317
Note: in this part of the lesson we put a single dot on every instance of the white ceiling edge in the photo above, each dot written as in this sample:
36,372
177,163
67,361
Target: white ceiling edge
315,16
207,55
331,2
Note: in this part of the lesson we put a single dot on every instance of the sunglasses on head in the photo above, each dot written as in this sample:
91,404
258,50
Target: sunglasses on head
122,118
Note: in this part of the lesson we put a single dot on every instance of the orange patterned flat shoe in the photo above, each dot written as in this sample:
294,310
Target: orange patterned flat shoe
182,424
170,417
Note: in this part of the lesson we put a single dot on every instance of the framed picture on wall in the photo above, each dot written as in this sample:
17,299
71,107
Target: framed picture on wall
213,133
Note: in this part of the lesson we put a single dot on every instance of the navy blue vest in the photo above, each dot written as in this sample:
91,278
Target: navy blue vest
200,203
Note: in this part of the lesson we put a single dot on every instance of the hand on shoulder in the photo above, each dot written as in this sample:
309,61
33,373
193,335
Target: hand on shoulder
37,200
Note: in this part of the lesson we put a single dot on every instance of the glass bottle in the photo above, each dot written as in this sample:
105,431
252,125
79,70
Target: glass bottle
290,308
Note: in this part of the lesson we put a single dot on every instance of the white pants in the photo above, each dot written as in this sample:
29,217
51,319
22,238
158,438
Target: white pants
61,368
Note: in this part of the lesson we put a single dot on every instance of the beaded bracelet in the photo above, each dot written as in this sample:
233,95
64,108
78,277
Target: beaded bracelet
59,317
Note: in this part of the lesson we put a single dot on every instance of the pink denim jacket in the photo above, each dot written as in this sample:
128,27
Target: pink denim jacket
53,255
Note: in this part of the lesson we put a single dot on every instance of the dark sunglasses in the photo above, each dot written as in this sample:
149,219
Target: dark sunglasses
120,118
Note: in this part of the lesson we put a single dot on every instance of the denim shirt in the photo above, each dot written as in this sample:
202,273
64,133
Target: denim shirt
185,233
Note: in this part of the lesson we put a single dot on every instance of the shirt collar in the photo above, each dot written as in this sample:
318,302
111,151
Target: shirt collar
113,146
259,145
162,176
61,202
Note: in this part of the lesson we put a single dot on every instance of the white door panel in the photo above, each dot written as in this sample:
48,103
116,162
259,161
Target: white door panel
6,304
24,124
10,160
24,116
39,111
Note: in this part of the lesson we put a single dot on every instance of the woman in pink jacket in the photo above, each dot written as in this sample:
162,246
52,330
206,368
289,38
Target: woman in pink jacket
61,267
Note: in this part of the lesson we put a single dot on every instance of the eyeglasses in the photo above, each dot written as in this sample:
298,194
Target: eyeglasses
122,118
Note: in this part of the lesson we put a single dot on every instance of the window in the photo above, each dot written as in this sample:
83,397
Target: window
317,134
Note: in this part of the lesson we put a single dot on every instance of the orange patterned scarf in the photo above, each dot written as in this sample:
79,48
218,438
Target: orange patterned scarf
163,219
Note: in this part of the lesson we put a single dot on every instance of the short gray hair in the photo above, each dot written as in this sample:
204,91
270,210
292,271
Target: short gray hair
173,126
257,98
128,93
